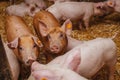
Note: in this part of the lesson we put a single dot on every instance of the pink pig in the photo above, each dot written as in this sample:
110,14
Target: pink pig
78,11
22,9
99,52
53,72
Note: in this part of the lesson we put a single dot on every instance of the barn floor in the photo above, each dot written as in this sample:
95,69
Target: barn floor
105,27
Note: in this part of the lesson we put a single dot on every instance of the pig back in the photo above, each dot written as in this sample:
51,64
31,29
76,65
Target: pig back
47,18
16,27
99,52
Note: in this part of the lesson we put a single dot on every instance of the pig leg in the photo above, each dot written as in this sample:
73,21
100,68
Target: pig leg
111,69
111,74
86,22
80,24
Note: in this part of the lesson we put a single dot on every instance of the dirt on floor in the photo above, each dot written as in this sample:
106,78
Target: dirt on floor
100,27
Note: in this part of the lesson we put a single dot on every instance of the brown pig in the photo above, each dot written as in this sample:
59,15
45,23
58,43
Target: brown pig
51,34
21,40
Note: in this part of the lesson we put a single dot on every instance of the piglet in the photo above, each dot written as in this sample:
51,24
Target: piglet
13,62
51,34
21,40
78,11
22,9
53,72
39,3
95,53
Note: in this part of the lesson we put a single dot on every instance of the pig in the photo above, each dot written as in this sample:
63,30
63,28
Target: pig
77,11
51,34
53,72
21,40
22,9
99,52
13,62
39,3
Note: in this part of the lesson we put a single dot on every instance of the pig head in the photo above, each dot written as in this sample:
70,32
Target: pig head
54,39
102,9
114,4
26,48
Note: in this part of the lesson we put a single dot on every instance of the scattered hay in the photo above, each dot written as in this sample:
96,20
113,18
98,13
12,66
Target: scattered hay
105,28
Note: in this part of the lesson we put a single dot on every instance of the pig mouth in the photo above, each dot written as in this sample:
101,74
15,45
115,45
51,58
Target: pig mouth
27,63
55,52
55,49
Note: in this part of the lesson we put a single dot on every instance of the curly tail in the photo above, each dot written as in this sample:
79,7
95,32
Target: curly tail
116,33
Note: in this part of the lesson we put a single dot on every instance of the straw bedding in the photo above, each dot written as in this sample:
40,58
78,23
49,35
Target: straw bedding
100,27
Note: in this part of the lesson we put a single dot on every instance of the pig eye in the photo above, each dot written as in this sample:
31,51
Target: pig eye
34,45
61,35
20,48
48,36
36,5
32,9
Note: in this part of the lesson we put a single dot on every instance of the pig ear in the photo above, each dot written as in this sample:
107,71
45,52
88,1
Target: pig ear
37,41
13,44
73,60
111,3
67,27
43,28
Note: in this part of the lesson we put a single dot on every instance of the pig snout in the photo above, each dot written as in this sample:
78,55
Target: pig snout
55,49
30,61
